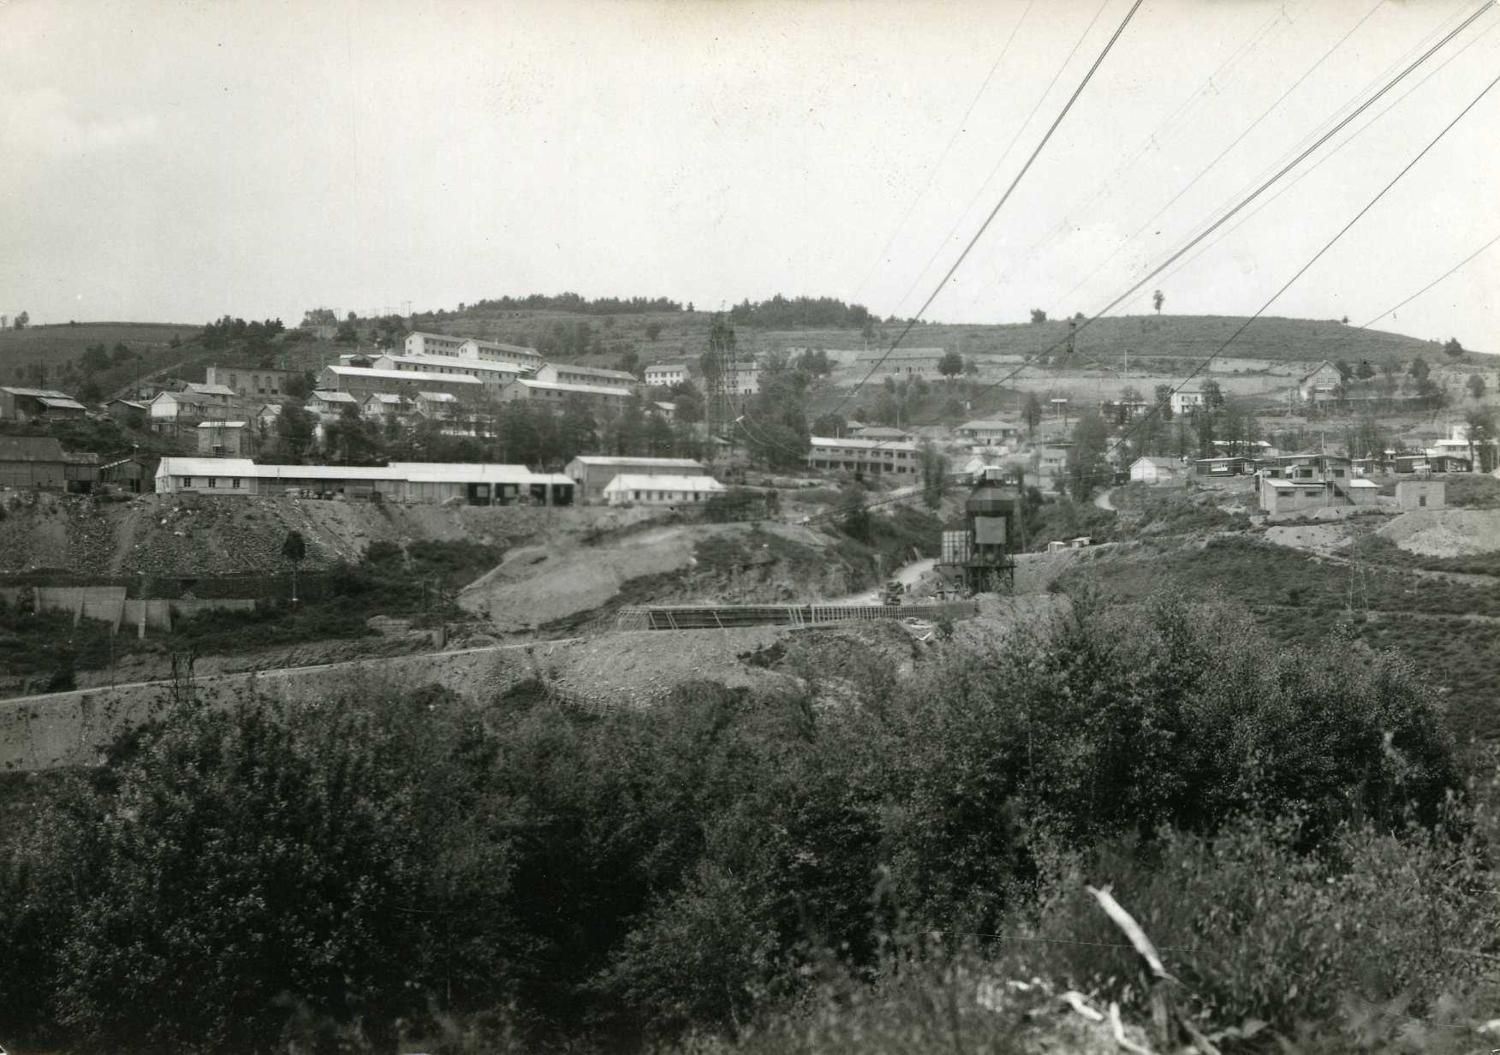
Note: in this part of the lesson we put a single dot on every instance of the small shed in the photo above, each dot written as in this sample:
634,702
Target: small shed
40,463
1280,495
1420,494
1150,470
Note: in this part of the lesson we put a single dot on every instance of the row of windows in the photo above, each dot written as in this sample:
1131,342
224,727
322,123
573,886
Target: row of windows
664,496
211,483
860,452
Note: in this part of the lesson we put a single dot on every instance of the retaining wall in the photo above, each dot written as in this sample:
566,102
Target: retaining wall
70,728
109,604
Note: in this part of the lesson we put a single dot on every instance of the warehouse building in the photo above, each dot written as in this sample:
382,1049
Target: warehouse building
477,484
490,373
39,463
38,404
862,456
556,393
593,472
640,489
362,382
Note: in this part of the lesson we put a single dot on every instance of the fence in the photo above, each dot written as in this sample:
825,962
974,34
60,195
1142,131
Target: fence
730,616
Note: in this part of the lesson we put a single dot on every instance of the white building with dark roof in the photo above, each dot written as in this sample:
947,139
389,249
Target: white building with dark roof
474,483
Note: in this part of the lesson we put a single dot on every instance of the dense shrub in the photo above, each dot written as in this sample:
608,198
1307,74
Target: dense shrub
632,875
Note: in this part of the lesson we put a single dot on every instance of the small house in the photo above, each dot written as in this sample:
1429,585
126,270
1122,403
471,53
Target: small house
1280,495
989,432
1323,384
1150,470
224,439
127,412
38,404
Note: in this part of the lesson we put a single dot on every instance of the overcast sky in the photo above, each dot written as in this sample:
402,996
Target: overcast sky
179,161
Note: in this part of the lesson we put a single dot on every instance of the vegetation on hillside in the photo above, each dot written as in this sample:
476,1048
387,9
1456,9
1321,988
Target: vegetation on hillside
535,875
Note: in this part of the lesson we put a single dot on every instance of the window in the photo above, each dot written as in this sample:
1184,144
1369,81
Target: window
213,482
235,482
1421,500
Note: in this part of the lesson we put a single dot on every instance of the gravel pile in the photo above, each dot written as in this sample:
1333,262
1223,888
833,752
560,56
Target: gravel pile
1446,532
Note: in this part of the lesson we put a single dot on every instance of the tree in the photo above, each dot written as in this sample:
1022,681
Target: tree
21,321
1157,299
1345,370
1213,395
630,362
94,359
951,364
1418,370
1163,394
1031,411
294,552
1365,370
300,386
1479,430
653,330
1087,468
120,353
1453,349
1038,315
934,474
1475,385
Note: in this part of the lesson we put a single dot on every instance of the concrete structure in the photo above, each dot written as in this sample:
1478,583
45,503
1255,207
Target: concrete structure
567,374
862,456
38,404
642,489
593,472
1324,383
362,382
989,432
39,463
224,439
1149,470
1280,495
490,373
467,483
261,383
555,393
1420,494
664,374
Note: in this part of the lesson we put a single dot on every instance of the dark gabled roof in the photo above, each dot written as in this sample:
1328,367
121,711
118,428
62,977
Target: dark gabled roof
31,449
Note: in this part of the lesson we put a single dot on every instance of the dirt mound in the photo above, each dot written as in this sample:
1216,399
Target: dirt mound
636,668
204,535
1316,538
1446,532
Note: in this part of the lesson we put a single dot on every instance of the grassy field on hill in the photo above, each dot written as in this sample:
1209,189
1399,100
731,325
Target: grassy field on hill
56,345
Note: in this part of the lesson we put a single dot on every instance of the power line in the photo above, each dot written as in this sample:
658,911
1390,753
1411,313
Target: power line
1068,106
1151,142
1004,155
1332,153
1314,259
1225,152
1434,282
937,165
1259,190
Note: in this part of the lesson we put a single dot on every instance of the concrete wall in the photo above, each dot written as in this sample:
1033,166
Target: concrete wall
71,728
109,604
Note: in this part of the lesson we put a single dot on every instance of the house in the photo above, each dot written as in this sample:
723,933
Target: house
262,383
436,405
38,404
324,404
661,375
1224,466
211,392
1149,470
187,407
668,411
1052,463
1279,495
224,439
1122,411
593,472
567,374
473,349
990,432
1420,494
267,417
1362,492
127,412
1457,444
360,382
432,344
1308,465
478,484
1324,383
639,489
862,456
385,406
39,463
1186,400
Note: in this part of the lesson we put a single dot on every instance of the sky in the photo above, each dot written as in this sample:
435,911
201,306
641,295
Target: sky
177,161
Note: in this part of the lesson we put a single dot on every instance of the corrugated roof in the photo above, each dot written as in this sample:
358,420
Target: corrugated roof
563,386
333,397
37,393
593,371
222,425
411,472
60,403
210,390
448,361
643,482
885,445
